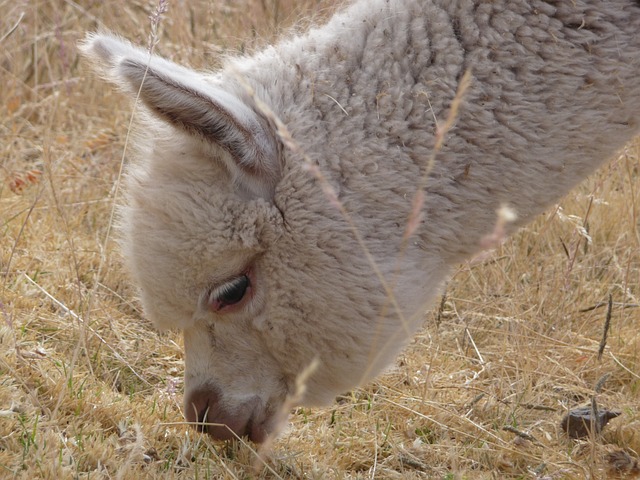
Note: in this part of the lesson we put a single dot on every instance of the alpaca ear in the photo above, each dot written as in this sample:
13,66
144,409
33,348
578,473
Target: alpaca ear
189,102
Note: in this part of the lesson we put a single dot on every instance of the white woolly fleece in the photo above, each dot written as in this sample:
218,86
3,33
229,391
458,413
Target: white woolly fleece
226,180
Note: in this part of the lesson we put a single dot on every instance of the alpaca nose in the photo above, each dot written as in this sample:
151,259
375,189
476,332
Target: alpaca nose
204,410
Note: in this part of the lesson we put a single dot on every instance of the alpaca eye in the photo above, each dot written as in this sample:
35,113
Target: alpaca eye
229,294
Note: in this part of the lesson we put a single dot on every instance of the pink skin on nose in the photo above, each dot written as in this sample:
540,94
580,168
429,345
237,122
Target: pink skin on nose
203,409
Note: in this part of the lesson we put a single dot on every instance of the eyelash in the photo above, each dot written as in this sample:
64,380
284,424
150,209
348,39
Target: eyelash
235,292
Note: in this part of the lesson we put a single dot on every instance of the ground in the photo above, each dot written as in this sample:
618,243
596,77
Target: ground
88,389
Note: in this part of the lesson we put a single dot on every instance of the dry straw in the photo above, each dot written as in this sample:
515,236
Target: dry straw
89,390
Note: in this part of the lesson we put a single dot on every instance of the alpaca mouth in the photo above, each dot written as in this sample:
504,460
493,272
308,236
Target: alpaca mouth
249,420
254,428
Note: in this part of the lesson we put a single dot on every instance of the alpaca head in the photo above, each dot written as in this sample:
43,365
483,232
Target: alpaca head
231,240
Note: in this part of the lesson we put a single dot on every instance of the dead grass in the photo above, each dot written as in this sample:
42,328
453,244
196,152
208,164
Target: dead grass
89,390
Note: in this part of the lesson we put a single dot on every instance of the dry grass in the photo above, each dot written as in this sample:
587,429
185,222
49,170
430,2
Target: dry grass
89,390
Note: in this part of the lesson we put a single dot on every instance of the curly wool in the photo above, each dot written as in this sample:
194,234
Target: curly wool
239,173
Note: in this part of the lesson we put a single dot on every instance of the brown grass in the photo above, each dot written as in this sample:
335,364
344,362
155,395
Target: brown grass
89,390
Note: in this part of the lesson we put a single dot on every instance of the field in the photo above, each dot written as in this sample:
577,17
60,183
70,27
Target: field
89,390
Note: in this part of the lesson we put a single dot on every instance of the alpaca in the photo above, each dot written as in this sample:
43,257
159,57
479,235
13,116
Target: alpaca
303,205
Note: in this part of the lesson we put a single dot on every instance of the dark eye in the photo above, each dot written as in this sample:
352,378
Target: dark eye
229,294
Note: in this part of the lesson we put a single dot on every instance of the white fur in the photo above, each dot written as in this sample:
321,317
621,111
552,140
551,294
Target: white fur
214,192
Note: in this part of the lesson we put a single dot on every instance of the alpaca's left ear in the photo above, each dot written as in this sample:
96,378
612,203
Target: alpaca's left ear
188,101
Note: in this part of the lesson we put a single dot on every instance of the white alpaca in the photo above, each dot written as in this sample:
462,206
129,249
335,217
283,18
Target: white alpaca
232,237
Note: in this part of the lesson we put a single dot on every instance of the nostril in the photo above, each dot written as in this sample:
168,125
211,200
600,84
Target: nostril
202,419
200,406
204,409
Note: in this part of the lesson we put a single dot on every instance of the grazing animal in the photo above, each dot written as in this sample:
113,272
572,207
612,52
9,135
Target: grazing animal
304,204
